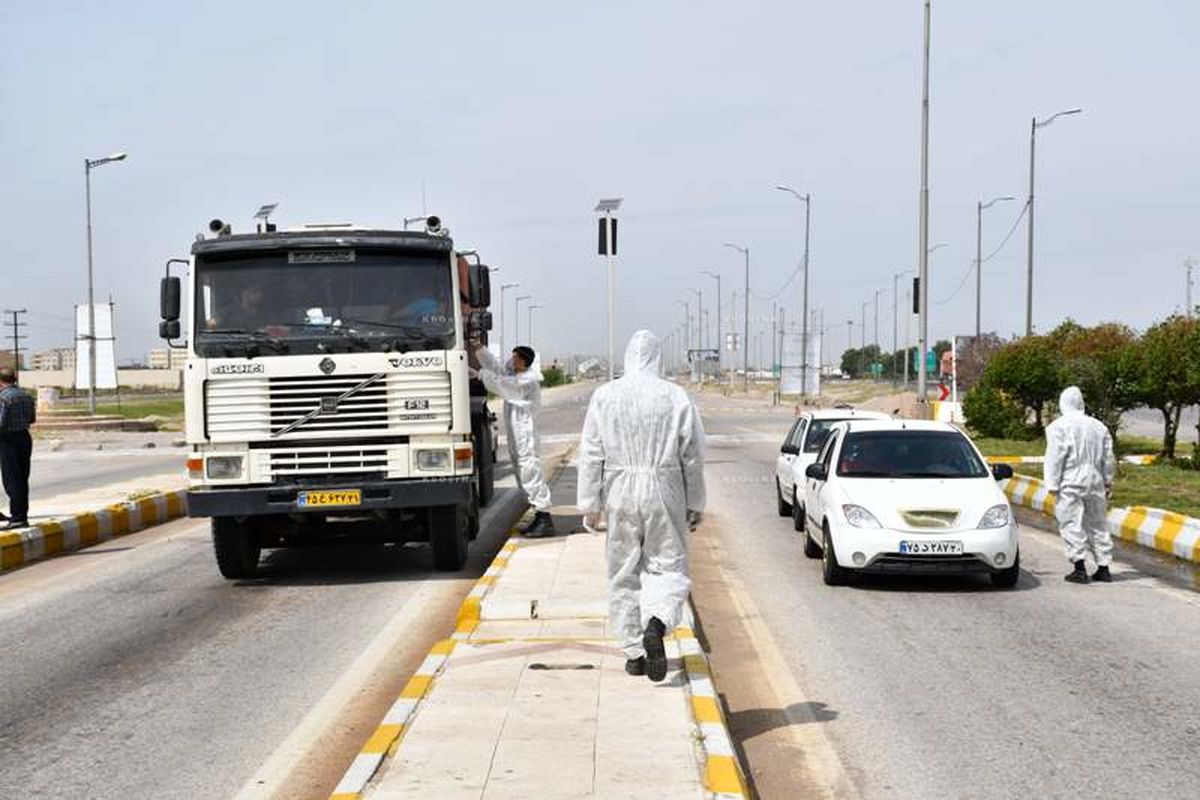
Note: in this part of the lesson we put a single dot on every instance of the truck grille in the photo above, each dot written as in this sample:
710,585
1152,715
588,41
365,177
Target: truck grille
339,460
249,409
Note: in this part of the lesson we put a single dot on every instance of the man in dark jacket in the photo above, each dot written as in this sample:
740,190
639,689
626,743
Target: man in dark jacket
17,413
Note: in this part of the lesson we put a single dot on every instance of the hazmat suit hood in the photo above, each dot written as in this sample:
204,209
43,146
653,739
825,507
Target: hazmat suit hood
1071,401
643,355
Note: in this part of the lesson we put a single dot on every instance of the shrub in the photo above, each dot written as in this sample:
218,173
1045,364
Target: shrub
992,413
553,376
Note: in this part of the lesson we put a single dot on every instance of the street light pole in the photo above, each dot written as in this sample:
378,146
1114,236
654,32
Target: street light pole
807,200
88,165
980,207
923,224
717,275
529,309
745,251
609,241
517,317
1033,127
503,288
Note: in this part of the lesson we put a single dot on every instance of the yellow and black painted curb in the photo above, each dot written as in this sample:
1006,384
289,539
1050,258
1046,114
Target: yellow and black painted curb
722,771
1164,531
47,539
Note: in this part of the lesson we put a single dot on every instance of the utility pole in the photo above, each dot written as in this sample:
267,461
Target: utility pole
745,251
1191,309
980,207
877,292
862,353
16,335
923,223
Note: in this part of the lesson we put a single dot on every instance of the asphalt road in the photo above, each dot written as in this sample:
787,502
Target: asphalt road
900,688
134,670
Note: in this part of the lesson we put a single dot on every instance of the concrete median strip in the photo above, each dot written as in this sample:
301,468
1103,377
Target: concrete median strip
1154,528
77,531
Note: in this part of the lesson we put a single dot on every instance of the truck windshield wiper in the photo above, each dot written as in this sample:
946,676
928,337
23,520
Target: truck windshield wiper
346,333
258,337
413,334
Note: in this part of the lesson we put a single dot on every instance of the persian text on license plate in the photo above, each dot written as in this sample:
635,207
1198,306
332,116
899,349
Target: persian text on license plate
339,497
931,548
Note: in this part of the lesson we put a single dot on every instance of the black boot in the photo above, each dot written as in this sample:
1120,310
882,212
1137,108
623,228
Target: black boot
1078,575
1102,574
656,652
636,666
541,525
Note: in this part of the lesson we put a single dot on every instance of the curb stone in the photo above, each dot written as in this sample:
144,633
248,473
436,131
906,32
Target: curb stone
1153,528
389,734
78,531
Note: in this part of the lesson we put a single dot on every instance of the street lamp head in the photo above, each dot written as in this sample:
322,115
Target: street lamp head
737,247
523,297
1053,117
96,162
509,285
937,246
608,205
793,192
118,156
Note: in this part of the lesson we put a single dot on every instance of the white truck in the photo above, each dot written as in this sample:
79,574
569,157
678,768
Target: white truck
327,392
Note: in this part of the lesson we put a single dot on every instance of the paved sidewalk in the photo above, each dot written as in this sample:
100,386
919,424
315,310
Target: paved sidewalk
530,698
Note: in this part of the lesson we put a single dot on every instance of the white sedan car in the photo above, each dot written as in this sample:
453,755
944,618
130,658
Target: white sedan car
800,448
909,497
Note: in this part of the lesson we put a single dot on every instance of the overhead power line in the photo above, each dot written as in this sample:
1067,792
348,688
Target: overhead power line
971,267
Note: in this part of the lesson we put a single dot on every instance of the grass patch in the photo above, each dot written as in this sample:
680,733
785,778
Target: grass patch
1126,445
138,409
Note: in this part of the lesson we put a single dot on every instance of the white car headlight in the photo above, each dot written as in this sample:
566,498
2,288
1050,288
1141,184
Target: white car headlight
995,517
224,467
433,460
859,517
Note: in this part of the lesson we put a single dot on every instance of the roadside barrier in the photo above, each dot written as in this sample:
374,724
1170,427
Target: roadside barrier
75,532
1154,528
1137,459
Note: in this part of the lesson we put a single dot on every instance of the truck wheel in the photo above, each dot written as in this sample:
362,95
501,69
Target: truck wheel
485,460
237,547
473,517
448,534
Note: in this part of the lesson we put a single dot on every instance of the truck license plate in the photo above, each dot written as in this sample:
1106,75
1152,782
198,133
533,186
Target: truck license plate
338,497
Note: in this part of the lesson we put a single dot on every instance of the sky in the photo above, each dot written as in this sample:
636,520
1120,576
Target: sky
516,117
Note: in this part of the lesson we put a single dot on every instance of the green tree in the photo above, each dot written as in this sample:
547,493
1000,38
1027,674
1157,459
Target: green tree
990,412
1103,362
1168,372
1029,371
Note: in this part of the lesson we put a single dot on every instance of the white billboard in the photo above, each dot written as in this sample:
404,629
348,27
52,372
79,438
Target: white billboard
789,374
106,358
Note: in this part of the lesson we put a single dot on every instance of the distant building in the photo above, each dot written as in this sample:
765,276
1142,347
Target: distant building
6,358
54,359
166,358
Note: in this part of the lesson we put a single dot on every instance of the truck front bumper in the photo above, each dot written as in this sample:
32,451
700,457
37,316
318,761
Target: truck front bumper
249,501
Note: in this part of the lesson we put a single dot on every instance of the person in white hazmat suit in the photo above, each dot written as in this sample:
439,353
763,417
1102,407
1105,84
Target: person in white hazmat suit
1079,472
641,464
520,385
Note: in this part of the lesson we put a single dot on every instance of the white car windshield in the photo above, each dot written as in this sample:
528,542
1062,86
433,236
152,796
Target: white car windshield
909,454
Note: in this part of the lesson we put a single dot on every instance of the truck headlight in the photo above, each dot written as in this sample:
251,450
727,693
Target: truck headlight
220,467
859,517
433,460
995,517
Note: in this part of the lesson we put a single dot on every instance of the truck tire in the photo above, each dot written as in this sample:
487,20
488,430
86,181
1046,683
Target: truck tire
448,535
485,459
473,516
237,547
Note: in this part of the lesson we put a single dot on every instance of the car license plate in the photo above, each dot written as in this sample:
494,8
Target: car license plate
338,497
931,548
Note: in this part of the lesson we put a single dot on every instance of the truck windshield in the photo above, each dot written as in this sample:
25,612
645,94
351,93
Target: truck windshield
300,303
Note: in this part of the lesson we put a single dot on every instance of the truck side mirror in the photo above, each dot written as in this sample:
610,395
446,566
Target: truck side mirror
168,329
479,288
169,292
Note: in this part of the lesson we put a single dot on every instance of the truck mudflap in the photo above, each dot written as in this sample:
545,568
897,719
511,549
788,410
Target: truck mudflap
341,498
